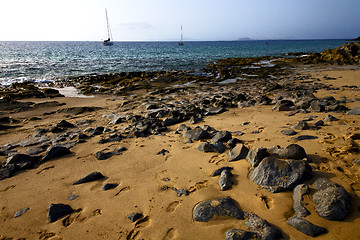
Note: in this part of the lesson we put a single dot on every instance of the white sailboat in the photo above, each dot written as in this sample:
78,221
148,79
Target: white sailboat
181,37
108,41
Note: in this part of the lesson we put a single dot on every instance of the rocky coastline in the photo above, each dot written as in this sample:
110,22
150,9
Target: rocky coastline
256,148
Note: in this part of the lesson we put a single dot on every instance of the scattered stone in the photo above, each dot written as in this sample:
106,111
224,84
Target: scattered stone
220,170
208,147
55,152
72,197
215,110
298,193
21,212
181,192
196,134
239,234
292,151
261,226
317,106
284,105
232,142
222,136
109,186
319,123
355,111
302,125
332,200
238,152
57,211
64,124
183,127
163,152
280,175
289,132
304,137
255,156
89,178
357,161
225,181
330,118
204,211
306,227
101,155
21,161
135,216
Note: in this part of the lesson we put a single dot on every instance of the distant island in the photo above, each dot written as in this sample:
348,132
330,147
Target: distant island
244,39
356,39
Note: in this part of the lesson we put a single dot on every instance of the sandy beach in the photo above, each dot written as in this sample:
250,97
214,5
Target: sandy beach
164,176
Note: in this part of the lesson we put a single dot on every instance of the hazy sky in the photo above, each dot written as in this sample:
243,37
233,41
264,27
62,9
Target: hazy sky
82,20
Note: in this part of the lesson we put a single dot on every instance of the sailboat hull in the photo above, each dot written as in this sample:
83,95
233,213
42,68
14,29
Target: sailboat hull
108,43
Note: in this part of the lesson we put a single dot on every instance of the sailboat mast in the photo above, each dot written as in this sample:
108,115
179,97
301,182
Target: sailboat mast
108,25
181,34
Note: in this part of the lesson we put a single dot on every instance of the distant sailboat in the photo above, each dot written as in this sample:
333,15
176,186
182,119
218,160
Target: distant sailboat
108,41
181,38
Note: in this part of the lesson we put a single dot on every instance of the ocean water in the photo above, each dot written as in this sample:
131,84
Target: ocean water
48,61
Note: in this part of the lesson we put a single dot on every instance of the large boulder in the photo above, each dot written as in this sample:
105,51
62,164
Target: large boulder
332,200
278,175
204,211
255,156
293,151
238,152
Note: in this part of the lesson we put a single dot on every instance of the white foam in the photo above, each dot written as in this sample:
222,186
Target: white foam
72,92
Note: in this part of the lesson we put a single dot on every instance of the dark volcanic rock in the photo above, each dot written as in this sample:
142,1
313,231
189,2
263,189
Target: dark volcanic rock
196,134
54,152
65,124
208,147
255,156
78,110
289,132
332,200
302,125
89,178
304,137
293,151
225,181
204,211
222,136
306,227
109,186
239,234
219,171
284,105
263,227
280,175
355,111
102,155
21,212
57,211
330,118
21,161
238,152
135,216
298,193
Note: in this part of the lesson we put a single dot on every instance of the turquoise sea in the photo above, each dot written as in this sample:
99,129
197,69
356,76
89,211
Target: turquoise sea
47,61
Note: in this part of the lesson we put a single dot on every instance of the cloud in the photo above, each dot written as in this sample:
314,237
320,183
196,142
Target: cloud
135,25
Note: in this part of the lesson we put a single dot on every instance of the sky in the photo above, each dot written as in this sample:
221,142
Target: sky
160,20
